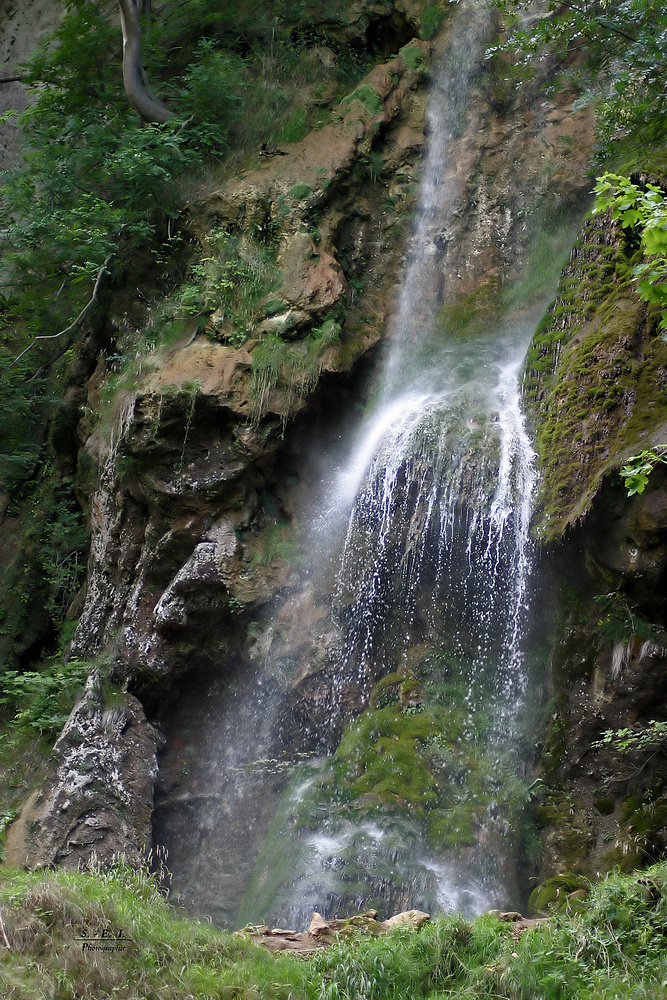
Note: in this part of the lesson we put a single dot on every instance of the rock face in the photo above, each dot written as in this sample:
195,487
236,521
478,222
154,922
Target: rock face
98,804
595,382
22,26
594,378
194,445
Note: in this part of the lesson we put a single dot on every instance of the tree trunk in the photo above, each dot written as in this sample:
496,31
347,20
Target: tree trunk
134,78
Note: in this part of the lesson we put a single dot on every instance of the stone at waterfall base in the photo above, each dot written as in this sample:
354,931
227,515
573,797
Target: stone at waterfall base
323,933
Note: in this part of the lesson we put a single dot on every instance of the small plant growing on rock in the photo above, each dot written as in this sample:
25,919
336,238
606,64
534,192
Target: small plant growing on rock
639,467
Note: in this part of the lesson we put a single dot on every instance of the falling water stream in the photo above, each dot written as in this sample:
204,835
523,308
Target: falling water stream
427,522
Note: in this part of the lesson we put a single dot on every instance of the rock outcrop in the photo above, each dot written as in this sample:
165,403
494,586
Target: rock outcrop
97,806
595,384
323,933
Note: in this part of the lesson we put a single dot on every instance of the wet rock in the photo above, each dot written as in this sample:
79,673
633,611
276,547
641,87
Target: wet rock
632,676
97,806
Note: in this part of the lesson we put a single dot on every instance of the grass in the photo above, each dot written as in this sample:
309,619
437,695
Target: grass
613,946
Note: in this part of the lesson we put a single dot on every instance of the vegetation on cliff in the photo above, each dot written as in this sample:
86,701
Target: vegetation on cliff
615,53
102,223
616,57
97,230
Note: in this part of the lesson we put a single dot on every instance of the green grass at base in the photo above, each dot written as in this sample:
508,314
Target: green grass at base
613,947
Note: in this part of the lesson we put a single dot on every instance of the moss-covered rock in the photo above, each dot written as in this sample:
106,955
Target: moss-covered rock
594,376
557,893
379,755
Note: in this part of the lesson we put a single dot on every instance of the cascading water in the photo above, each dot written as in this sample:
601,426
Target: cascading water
428,523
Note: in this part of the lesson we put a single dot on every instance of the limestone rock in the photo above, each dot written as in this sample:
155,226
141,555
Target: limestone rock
409,918
322,933
97,805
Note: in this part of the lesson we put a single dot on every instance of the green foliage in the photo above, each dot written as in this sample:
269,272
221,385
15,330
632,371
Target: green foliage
228,278
94,179
292,367
651,737
42,700
643,211
98,188
6,817
619,619
211,91
639,467
39,583
267,362
555,893
432,19
301,191
21,413
613,946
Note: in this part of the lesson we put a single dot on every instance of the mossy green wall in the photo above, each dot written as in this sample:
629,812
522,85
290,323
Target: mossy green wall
595,381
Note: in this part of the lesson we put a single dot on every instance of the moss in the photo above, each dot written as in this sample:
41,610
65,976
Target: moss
273,307
301,191
472,313
412,55
386,692
367,97
449,829
379,755
642,835
554,894
599,346
432,20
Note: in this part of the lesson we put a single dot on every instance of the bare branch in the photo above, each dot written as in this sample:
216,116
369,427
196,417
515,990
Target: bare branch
134,77
73,325
11,79
4,933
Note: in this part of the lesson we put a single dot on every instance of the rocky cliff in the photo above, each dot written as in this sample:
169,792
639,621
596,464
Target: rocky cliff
595,385
197,425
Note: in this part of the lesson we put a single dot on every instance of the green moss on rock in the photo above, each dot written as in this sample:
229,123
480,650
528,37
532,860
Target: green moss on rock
379,755
556,893
594,377
369,99
387,691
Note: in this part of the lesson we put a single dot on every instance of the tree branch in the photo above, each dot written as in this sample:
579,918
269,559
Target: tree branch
134,77
79,319
4,933
11,79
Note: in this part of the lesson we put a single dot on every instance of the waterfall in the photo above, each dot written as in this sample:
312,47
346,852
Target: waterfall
432,510
439,485
427,526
